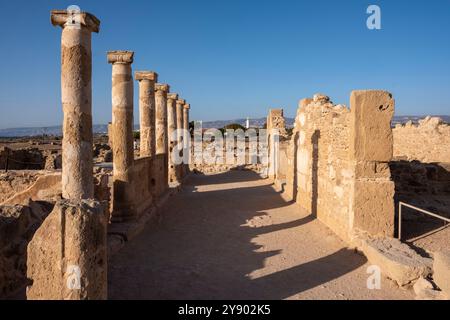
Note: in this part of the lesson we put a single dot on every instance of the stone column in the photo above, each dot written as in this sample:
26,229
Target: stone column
147,81
186,139
179,147
371,150
172,126
76,94
161,117
161,162
67,257
122,134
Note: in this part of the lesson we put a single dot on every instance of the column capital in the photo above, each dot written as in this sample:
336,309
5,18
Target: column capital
187,106
121,57
172,96
181,101
65,18
146,75
162,87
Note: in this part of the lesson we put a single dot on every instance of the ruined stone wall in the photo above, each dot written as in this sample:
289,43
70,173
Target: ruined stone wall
142,183
159,176
219,164
13,182
337,163
30,159
323,170
18,223
428,141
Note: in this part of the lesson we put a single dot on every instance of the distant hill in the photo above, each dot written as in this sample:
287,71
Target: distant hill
103,128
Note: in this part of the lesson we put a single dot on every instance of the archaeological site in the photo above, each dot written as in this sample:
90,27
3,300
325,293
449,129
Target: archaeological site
341,203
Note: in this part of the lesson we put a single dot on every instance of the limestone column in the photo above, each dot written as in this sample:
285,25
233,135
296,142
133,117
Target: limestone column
147,81
180,125
179,147
161,161
172,126
161,91
122,134
76,94
186,139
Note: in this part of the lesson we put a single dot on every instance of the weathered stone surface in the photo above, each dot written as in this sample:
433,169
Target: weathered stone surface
171,133
371,113
67,255
161,172
76,94
428,141
396,260
180,142
18,223
422,285
122,135
424,290
147,80
47,187
441,271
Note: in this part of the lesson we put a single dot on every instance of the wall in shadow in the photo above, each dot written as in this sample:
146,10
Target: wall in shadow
425,185
315,171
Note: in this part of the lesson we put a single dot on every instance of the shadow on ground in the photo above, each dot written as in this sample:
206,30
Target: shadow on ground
205,247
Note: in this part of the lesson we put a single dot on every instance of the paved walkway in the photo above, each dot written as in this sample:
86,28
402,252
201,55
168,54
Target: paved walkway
231,236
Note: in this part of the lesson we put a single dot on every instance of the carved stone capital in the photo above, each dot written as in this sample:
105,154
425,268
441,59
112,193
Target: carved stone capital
181,101
172,96
162,87
187,106
124,57
65,18
146,75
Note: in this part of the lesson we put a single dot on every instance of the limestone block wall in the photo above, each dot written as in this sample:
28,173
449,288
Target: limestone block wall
337,163
159,175
323,170
143,186
428,141
18,223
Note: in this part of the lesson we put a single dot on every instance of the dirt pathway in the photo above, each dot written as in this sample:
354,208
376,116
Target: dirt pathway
231,236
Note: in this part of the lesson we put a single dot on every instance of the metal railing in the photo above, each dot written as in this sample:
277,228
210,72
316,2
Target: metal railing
400,204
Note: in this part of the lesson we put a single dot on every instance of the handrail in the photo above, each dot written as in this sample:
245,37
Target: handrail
400,204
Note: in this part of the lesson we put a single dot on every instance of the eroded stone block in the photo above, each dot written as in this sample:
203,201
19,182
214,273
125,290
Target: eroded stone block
67,255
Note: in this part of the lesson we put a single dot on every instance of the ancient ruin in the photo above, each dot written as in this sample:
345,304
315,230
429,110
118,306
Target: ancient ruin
300,206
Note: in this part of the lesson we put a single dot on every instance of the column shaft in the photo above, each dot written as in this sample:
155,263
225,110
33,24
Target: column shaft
172,126
122,134
147,112
76,93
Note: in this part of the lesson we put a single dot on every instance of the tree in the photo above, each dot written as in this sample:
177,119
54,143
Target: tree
233,126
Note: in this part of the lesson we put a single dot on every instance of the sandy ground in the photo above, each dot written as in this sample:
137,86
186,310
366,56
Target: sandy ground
232,236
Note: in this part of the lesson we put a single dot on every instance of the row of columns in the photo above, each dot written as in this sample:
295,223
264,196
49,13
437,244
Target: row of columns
87,221
161,112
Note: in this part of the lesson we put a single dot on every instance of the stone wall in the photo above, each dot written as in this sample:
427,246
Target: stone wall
143,186
323,170
428,141
220,164
338,163
30,159
18,223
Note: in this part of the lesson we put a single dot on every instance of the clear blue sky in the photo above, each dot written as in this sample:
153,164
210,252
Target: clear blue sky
234,58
